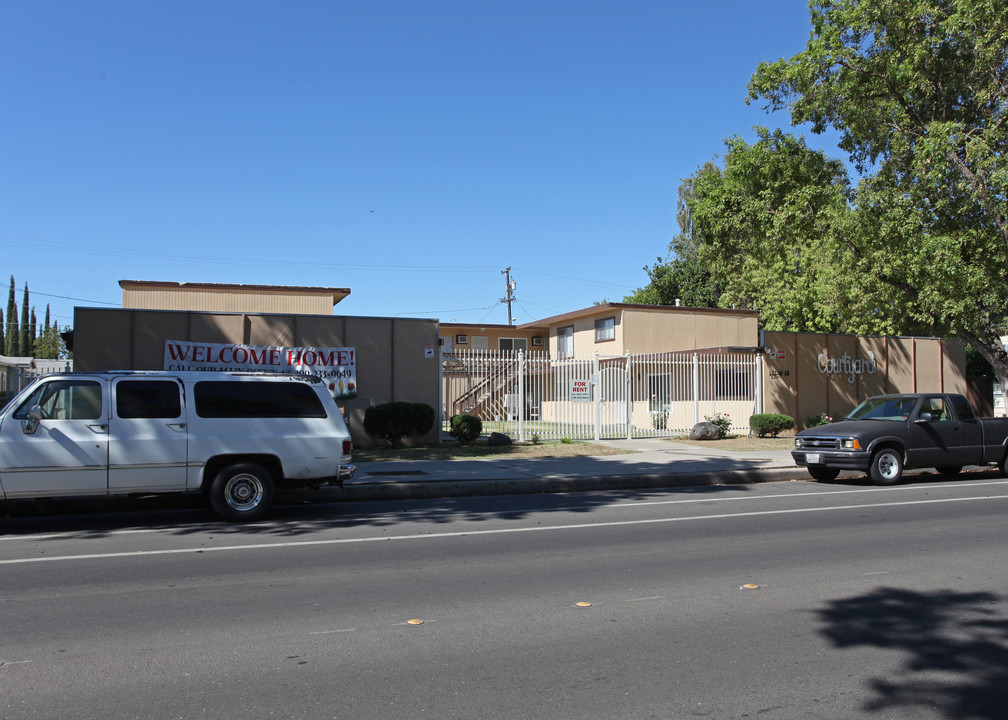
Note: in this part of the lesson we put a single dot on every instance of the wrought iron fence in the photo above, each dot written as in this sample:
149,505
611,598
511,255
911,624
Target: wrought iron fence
588,396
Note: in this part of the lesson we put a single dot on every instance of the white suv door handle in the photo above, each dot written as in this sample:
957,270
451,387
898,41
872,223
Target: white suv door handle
98,427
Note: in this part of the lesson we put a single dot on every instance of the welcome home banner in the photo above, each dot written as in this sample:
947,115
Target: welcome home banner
337,366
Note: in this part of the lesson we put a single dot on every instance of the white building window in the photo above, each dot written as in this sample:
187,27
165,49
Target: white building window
605,329
565,342
479,342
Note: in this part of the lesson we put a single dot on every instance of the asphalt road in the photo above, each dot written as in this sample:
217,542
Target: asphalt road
783,600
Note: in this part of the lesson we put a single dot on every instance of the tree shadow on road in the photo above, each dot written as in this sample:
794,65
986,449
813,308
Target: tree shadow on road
955,646
303,512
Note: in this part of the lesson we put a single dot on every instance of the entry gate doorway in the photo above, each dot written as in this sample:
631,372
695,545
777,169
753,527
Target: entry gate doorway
585,397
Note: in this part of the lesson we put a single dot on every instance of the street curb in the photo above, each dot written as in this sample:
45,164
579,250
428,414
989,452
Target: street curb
547,484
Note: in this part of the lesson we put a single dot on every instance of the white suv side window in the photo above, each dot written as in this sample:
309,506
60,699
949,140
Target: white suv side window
65,400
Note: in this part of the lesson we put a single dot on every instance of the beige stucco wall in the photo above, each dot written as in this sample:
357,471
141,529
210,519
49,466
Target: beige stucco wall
676,329
638,329
493,334
794,384
584,334
391,352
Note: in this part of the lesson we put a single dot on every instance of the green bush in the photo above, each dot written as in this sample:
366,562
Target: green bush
764,424
465,428
722,421
817,420
395,420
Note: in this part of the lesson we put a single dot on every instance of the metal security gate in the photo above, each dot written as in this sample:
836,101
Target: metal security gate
536,395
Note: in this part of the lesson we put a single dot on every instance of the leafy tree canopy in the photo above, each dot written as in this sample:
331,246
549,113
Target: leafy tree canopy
918,90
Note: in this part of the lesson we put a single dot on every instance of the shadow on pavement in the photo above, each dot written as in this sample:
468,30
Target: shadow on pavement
954,644
302,512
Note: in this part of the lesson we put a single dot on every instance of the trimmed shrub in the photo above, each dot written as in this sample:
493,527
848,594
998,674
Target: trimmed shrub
395,420
465,428
722,421
764,424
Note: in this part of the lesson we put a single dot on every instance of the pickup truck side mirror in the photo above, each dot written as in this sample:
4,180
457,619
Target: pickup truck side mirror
925,417
34,418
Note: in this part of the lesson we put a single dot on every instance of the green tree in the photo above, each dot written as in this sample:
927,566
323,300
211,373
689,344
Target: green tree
33,328
768,223
49,344
677,280
24,346
13,342
918,90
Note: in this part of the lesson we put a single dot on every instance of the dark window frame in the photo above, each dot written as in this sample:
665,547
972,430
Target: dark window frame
143,406
222,399
600,324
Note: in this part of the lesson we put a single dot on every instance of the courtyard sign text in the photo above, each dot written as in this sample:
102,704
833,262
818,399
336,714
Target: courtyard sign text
847,365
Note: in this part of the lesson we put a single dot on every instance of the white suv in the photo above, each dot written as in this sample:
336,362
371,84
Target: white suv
233,436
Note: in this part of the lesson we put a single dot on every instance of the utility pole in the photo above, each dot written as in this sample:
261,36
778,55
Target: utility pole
510,286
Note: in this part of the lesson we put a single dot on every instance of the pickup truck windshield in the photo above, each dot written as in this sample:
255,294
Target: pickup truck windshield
883,408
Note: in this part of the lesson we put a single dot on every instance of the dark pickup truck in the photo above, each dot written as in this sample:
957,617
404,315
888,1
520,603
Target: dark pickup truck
889,433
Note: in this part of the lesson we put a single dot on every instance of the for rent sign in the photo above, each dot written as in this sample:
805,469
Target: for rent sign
337,366
580,391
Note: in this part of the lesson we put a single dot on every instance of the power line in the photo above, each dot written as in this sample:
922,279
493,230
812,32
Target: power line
437,312
66,297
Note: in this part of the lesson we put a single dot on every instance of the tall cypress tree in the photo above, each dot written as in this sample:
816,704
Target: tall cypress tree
24,344
13,342
33,326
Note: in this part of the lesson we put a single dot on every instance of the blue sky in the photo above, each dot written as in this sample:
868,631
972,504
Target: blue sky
407,150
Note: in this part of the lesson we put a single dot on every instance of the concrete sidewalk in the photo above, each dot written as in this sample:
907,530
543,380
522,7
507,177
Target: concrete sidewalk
649,463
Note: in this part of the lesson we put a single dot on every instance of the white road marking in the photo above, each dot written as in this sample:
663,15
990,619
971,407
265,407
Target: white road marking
553,508
472,533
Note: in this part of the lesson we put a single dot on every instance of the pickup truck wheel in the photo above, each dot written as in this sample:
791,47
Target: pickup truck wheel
949,469
825,474
886,467
242,492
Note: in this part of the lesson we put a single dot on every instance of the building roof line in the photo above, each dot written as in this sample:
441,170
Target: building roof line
337,293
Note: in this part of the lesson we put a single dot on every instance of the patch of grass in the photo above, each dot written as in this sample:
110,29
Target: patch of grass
454,451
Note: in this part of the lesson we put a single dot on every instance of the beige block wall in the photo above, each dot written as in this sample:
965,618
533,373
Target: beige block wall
901,364
953,364
391,358
794,385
